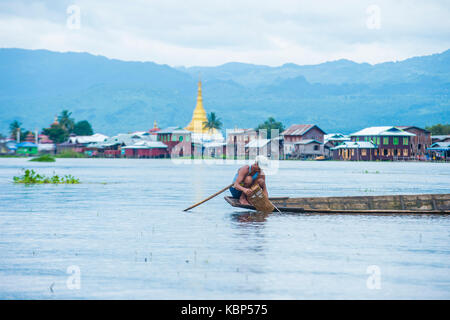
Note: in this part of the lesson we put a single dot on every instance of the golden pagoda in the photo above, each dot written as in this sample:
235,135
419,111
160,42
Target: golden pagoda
199,116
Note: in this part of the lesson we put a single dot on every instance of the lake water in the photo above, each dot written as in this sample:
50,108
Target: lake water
124,230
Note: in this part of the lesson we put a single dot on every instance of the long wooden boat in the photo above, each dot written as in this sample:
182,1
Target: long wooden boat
397,204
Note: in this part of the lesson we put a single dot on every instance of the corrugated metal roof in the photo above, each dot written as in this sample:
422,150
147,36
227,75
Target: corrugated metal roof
98,137
214,144
173,130
410,127
440,137
382,131
257,143
297,129
26,144
355,145
146,144
240,131
201,138
308,141
336,137
121,138
445,144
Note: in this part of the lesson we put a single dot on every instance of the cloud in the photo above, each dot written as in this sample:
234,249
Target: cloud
215,32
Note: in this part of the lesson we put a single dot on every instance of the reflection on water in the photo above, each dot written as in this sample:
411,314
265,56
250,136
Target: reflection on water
125,229
250,217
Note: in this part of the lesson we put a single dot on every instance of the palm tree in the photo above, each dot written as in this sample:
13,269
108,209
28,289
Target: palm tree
13,127
213,122
66,121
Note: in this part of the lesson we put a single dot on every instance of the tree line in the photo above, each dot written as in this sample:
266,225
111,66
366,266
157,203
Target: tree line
439,129
213,122
59,131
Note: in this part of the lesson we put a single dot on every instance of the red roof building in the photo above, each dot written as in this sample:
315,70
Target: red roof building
43,139
30,137
299,132
155,129
420,142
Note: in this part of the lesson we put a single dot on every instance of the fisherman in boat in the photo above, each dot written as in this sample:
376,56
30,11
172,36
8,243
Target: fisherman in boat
246,177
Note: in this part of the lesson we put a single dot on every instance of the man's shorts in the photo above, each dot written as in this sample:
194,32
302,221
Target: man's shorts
235,193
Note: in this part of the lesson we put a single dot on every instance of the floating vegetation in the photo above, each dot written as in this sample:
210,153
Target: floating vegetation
367,171
31,177
44,158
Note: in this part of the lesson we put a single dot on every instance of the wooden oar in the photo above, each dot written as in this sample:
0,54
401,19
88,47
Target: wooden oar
209,198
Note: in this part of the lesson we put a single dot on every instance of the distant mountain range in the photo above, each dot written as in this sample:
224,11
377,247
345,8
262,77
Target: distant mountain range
120,96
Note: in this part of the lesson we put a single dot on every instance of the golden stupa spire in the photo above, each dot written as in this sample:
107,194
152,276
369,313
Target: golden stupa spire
155,125
199,116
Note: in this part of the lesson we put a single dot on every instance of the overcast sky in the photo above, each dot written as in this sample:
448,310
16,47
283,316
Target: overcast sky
214,32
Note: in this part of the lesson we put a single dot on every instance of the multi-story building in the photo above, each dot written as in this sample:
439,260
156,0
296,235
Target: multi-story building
355,151
301,132
335,139
177,140
440,138
420,142
392,143
237,139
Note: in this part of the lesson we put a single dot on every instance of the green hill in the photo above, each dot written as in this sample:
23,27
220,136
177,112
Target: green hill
119,96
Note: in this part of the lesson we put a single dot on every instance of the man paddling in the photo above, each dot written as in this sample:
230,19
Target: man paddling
246,177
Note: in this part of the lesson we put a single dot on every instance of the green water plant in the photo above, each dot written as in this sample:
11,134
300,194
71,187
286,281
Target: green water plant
367,171
32,177
44,158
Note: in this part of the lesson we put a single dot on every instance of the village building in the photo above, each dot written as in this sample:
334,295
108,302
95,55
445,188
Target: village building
215,149
146,149
440,138
177,140
420,142
200,134
335,139
7,147
45,144
355,151
310,149
153,131
439,151
297,133
69,147
237,139
3,148
392,143
79,143
257,147
112,146
27,148
12,146
270,148
30,137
